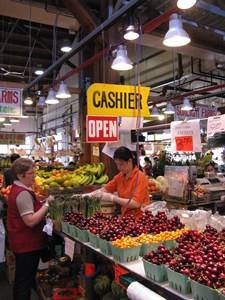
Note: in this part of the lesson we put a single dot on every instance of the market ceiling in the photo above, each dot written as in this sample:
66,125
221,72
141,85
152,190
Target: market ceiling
32,31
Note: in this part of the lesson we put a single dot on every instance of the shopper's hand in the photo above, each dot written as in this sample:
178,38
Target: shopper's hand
50,198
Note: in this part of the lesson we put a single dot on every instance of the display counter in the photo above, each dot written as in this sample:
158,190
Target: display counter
136,267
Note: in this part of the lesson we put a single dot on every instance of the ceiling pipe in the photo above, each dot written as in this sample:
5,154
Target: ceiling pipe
201,73
180,97
145,28
87,39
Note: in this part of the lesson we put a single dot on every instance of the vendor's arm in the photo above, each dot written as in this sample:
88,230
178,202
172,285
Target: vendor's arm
24,203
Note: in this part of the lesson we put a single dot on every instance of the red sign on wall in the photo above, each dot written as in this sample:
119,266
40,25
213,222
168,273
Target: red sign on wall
102,129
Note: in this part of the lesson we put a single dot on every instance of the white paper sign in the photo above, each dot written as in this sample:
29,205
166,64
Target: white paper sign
69,247
185,136
215,125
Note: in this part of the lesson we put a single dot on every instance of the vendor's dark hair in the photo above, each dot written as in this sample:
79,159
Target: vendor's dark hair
124,154
146,158
14,157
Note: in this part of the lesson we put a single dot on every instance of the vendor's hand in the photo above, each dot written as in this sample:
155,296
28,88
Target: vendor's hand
106,196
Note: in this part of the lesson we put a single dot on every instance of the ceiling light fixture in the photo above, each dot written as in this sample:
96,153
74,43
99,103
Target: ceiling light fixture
63,91
7,123
154,111
176,36
14,120
169,109
51,98
28,100
66,46
186,104
131,33
121,62
39,71
41,102
161,116
185,4
2,119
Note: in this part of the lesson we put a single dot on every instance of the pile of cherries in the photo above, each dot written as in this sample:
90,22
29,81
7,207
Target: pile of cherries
160,256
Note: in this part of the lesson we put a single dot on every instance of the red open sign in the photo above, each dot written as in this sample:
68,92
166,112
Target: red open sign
102,129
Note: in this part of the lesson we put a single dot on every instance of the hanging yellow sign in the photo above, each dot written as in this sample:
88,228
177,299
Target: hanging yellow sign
117,100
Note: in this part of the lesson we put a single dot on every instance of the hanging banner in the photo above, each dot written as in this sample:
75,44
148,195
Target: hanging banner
10,102
101,129
117,100
215,125
185,136
199,112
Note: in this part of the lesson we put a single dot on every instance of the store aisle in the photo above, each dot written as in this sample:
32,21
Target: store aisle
6,289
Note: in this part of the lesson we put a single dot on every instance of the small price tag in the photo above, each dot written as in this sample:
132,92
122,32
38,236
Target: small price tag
184,143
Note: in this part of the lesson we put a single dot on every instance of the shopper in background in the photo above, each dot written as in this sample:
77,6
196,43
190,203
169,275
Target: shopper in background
211,167
7,178
130,184
147,169
25,222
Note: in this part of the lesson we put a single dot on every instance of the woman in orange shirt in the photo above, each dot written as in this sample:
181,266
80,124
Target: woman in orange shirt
130,184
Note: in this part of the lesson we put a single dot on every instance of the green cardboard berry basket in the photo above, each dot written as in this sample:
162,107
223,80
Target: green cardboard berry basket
145,248
72,230
178,281
82,235
93,239
105,246
170,244
65,227
125,254
155,272
203,292
221,297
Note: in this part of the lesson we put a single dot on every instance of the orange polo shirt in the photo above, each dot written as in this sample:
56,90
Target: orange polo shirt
126,186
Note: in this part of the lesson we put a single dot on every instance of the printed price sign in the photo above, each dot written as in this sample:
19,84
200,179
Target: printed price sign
184,143
118,272
185,136
215,125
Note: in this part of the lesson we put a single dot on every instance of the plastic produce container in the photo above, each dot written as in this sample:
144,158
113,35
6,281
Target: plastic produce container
155,272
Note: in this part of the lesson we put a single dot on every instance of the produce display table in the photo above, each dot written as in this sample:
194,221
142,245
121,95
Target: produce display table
137,269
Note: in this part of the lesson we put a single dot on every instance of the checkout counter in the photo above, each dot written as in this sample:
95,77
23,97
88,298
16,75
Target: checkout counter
188,191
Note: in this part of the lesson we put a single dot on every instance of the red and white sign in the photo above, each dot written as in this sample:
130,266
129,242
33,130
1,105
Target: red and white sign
10,102
102,129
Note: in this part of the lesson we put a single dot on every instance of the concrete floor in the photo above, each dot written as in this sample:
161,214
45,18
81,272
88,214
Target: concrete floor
6,289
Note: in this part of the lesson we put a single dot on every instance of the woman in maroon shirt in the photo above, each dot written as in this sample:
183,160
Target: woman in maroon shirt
25,222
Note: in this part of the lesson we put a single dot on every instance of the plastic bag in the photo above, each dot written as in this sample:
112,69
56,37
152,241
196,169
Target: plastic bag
156,207
2,242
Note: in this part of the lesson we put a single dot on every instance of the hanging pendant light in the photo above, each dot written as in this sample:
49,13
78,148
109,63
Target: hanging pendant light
186,105
161,116
41,102
63,91
176,36
121,62
7,122
14,120
51,98
66,46
154,111
185,4
131,33
2,119
169,109
28,100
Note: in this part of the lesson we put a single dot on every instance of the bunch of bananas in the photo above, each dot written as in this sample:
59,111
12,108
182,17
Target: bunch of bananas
90,174
5,162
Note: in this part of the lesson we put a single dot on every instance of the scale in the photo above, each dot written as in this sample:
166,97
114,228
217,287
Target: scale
203,181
